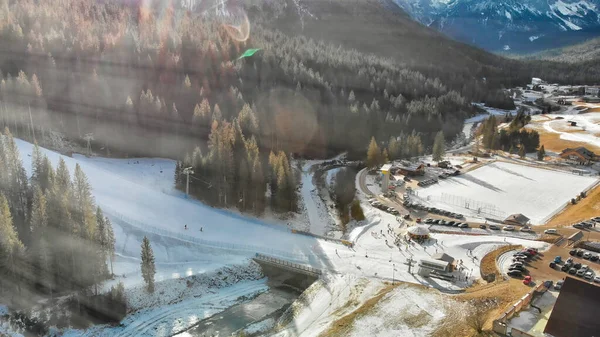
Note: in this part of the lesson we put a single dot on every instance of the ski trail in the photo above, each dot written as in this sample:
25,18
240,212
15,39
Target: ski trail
317,226
149,322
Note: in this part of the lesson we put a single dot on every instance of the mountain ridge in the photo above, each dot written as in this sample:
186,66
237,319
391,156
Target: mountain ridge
510,25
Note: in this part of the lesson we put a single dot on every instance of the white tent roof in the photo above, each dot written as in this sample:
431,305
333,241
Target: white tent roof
418,230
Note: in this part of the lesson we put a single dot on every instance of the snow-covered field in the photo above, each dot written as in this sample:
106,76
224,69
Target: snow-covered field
501,189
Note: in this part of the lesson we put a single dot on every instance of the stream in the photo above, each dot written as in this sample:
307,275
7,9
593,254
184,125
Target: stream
240,315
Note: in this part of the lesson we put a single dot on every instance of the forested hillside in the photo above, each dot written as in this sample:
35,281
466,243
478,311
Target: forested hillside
169,81
582,52
53,238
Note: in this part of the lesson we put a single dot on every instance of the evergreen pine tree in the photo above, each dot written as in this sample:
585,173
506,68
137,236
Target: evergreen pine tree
385,157
522,151
373,154
541,153
11,248
110,240
148,267
84,204
393,148
439,147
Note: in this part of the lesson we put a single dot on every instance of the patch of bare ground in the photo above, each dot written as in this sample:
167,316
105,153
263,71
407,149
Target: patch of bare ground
342,326
483,304
585,209
488,262
553,142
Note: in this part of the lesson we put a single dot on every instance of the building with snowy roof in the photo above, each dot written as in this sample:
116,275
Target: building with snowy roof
516,220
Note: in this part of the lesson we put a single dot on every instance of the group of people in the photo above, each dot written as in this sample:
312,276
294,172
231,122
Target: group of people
186,227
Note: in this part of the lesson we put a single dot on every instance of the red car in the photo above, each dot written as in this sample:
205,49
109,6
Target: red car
527,280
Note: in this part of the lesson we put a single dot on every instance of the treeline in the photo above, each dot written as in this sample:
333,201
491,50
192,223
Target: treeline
53,238
512,139
404,146
234,172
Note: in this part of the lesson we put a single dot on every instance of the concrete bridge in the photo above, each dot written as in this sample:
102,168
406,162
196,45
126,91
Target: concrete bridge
285,272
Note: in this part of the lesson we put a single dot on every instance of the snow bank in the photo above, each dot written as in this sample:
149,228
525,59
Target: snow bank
173,291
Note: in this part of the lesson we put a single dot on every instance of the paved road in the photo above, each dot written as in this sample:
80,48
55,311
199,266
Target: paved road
362,182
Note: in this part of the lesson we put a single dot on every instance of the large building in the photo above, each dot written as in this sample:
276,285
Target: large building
411,169
592,91
579,155
575,313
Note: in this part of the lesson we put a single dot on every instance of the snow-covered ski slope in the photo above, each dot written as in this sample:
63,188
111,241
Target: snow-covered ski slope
145,201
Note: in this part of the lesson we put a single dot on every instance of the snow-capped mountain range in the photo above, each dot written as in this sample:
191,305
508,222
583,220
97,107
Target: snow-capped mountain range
510,25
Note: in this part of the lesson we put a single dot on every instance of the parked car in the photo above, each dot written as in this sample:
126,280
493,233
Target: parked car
428,220
527,253
596,219
580,272
552,265
508,228
527,280
443,222
559,284
587,255
514,273
585,267
578,226
569,260
494,227
451,223
517,267
597,279
577,265
525,229
550,231
482,226
566,267
573,252
580,253
557,259
572,271
594,258
588,275
463,225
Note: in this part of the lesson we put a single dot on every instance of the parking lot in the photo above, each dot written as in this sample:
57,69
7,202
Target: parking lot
541,270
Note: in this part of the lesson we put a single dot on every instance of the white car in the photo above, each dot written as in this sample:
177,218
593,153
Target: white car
550,231
597,279
559,284
508,228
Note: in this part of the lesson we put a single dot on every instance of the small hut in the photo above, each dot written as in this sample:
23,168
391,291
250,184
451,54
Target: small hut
446,258
418,233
